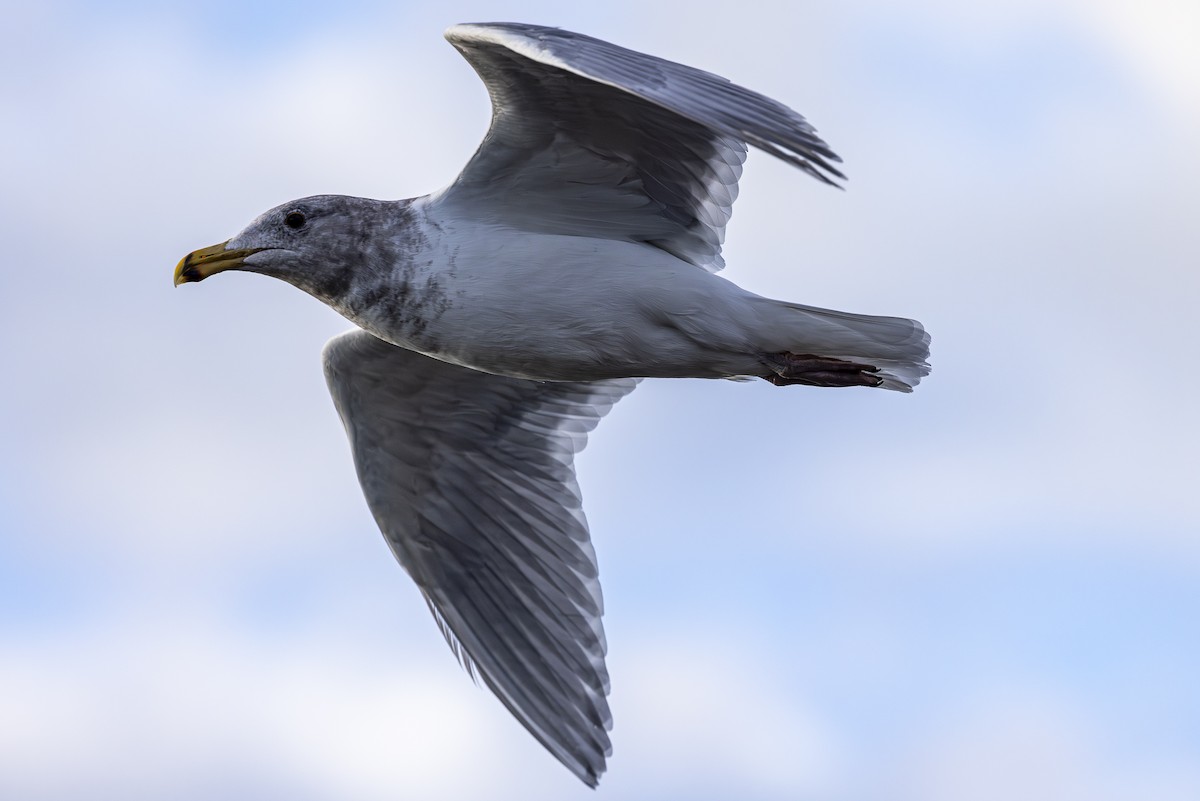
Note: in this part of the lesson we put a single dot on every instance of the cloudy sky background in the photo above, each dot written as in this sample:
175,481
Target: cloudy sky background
989,589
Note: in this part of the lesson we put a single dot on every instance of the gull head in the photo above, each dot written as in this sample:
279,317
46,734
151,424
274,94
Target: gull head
318,244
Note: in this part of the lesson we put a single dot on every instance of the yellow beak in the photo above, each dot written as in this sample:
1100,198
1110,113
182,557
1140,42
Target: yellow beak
200,264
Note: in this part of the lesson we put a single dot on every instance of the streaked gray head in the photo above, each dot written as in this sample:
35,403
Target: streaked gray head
319,244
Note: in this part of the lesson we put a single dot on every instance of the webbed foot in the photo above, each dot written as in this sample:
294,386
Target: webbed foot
818,371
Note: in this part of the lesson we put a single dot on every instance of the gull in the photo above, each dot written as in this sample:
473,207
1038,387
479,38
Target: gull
500,318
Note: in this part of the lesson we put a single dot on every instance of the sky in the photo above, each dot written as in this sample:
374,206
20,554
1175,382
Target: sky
988,589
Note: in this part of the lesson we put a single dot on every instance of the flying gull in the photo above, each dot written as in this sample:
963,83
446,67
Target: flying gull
500,318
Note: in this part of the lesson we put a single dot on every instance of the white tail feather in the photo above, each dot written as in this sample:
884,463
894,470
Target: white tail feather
897,346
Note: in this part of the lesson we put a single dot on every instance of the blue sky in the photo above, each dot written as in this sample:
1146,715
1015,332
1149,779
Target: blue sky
987,589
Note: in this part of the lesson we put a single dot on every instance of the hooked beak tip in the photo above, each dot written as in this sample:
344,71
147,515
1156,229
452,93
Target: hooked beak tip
185,272
200,264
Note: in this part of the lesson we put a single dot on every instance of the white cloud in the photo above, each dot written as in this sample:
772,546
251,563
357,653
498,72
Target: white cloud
691,724
179,706
1158,41
175,707
1025,742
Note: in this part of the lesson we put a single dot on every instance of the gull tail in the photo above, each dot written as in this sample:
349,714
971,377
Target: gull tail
822,347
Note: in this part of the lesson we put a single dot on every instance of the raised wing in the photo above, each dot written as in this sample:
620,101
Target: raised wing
470,477
592,139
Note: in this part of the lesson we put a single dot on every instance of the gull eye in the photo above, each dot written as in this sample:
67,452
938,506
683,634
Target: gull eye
294,220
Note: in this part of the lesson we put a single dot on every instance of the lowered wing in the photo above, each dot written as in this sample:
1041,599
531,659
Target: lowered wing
470,477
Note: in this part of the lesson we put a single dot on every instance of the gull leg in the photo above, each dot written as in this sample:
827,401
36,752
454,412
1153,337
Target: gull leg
818,371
